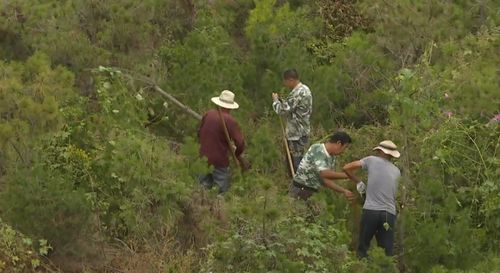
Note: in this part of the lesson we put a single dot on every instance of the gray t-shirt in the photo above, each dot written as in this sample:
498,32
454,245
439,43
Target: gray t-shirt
382,184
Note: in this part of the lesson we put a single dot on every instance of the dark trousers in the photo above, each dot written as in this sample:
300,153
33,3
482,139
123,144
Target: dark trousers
300,192
372,224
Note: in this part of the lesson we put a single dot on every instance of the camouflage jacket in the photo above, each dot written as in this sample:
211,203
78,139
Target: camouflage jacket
297,108
315,160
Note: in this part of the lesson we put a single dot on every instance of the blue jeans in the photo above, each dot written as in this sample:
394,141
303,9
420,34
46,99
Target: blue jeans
372,224
220,177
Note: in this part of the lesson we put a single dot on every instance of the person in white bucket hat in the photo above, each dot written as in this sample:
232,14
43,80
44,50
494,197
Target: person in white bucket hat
214,143
389,148
226,100
379,210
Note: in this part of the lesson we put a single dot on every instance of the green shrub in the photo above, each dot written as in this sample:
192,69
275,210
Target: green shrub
45,204
18,253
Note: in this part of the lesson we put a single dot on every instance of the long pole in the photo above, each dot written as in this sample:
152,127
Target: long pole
132,76
287,149
176,102
228,139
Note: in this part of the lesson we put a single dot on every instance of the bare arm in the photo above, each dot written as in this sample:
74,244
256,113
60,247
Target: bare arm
330,174
350,168
333,186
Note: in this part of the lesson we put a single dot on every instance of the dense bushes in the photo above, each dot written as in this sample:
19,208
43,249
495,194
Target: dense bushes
79,168
454,197
19,253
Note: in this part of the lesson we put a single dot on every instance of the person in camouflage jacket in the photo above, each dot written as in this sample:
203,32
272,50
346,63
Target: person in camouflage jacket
317,168
297,109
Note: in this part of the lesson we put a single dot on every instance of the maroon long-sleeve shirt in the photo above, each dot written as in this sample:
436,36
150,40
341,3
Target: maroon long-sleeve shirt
213,143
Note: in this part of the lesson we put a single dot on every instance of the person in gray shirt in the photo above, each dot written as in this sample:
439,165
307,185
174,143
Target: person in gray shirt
379,210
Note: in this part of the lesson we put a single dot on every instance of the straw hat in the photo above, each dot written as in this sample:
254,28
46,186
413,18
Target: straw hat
388,147
225,100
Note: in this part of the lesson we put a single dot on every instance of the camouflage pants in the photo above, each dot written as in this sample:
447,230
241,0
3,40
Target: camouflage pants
297,150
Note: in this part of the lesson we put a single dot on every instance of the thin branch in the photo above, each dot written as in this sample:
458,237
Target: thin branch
162,92
18,152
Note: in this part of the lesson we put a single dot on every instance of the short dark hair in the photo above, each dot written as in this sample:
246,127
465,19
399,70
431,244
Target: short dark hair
343,137
291,74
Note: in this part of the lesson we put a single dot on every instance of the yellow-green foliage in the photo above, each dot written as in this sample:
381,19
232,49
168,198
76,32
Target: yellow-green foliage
96,162
31,96
18,253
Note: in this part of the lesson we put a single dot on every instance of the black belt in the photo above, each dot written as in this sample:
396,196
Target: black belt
304,187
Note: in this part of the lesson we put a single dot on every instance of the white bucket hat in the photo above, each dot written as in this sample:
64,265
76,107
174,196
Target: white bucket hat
225,100
388,147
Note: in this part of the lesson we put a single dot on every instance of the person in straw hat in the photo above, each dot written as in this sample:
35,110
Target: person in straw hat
214,143
379,210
